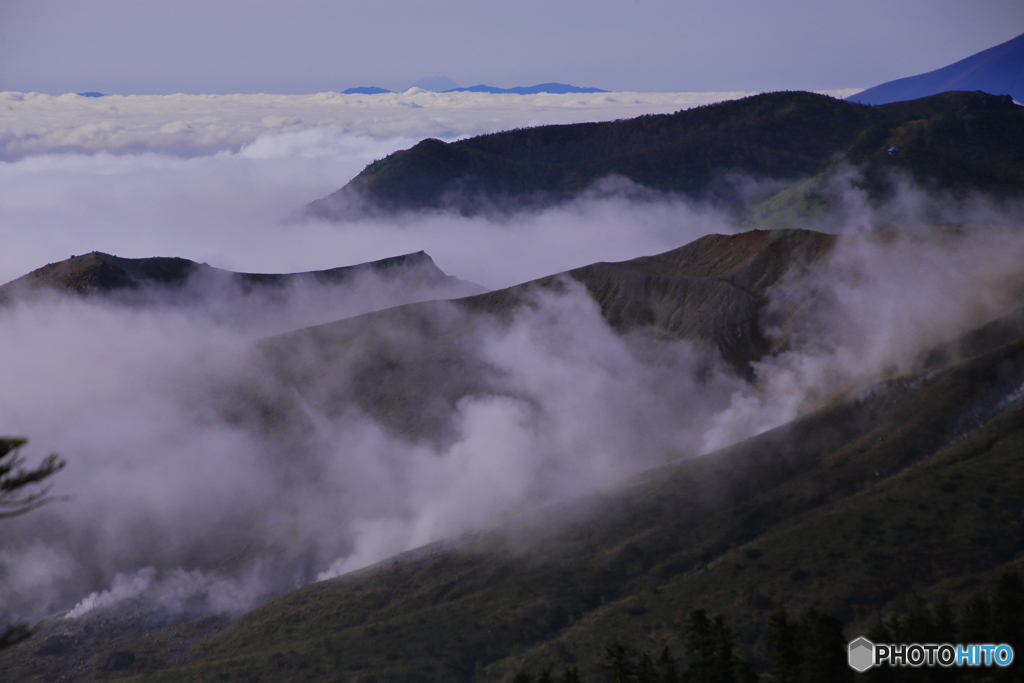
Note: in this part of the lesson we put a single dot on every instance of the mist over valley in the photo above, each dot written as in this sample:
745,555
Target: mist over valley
504,398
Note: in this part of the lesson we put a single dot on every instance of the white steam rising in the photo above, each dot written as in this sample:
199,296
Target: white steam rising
172,498
874,311
181,500
171,502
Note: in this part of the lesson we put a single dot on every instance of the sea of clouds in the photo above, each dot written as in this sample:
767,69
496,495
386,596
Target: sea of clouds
177,496
215,178
190,125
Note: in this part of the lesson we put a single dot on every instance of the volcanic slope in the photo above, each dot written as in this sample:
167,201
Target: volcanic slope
963,140
409,366
910,485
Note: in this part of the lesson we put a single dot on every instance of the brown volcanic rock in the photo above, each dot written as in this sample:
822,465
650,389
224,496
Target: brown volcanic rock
409,366
714,289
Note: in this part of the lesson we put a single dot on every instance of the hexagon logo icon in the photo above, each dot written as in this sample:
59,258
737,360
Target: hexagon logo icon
862,654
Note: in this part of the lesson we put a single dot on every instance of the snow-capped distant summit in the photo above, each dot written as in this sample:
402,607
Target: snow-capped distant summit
436,83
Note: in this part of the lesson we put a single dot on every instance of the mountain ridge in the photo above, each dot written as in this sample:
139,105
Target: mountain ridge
540,88
100,274
552,88
713,292
780,136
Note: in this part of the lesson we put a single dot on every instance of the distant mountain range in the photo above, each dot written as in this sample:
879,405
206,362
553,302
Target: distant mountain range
998,70
365,90
435,83
554,88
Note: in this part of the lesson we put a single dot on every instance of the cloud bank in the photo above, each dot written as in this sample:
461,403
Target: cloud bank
190,125
233,211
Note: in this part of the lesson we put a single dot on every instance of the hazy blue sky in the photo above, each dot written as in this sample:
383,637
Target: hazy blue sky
304,46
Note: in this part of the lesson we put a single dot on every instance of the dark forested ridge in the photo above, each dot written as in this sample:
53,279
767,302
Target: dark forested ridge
957,139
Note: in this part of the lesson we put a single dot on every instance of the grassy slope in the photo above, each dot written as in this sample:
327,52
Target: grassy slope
848,509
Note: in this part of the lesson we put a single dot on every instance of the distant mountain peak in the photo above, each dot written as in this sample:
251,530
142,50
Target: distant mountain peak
97,273
365,90
998,70
436,84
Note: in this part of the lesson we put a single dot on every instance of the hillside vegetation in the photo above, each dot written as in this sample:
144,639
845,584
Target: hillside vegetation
956,140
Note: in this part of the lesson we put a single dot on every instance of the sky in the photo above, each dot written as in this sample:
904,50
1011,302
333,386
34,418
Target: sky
310,46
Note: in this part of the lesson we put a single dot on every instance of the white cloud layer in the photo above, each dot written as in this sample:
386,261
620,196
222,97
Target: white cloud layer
234,211
188,125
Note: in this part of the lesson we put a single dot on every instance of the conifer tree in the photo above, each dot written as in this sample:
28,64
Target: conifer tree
20,488
21,491
784,656
823,649
711,643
